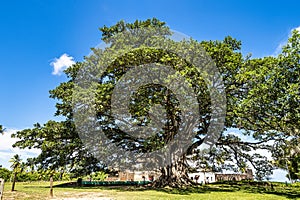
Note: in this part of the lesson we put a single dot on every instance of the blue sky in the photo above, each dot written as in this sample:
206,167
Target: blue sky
35,32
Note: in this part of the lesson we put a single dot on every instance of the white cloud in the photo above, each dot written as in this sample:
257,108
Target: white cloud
61,63
7,151
6,140
284,42
279,48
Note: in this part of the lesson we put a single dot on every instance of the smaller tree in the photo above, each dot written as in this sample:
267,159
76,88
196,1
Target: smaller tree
16,167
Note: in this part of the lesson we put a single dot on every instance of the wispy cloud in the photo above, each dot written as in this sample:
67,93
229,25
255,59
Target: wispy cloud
284,42
61,63
7,151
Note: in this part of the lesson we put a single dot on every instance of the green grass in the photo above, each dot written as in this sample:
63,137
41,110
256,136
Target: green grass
228,191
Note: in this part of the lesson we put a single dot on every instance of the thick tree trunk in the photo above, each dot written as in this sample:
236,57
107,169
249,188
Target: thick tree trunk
14,182
175,175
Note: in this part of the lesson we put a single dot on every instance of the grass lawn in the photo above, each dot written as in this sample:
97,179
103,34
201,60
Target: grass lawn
40,190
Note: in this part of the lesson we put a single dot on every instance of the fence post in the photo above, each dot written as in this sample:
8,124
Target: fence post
1,188
51,186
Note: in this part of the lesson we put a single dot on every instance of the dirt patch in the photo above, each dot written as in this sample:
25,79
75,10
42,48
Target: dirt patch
82,195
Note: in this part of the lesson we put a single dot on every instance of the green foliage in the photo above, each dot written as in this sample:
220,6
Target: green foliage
61,147
28,177
122,26
16,163
96,176
24,172
268,110
262,102
294,167
5,174
39,176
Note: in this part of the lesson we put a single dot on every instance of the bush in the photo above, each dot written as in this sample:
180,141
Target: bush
5,174
97,176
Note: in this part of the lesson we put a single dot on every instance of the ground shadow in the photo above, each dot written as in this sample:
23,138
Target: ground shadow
280,189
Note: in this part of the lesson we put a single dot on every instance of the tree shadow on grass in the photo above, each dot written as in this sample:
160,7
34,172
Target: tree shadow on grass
285,191
280,190
288,191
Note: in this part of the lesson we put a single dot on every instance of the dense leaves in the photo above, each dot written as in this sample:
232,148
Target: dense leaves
5,174
262,106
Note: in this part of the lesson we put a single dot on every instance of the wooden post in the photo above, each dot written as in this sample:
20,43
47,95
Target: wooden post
1,188
51,186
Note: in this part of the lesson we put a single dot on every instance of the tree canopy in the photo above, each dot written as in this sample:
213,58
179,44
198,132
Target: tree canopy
262,98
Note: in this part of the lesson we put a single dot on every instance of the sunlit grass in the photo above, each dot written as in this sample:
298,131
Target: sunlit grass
40,190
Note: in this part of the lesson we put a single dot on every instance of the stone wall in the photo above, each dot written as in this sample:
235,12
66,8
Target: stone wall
235,177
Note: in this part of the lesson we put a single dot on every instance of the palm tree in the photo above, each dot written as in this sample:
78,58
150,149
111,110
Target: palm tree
16,163
23,167
30,163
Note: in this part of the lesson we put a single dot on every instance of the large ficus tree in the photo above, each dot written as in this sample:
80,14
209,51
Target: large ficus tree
60,142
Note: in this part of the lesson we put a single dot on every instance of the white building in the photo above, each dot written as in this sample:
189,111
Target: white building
203,177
